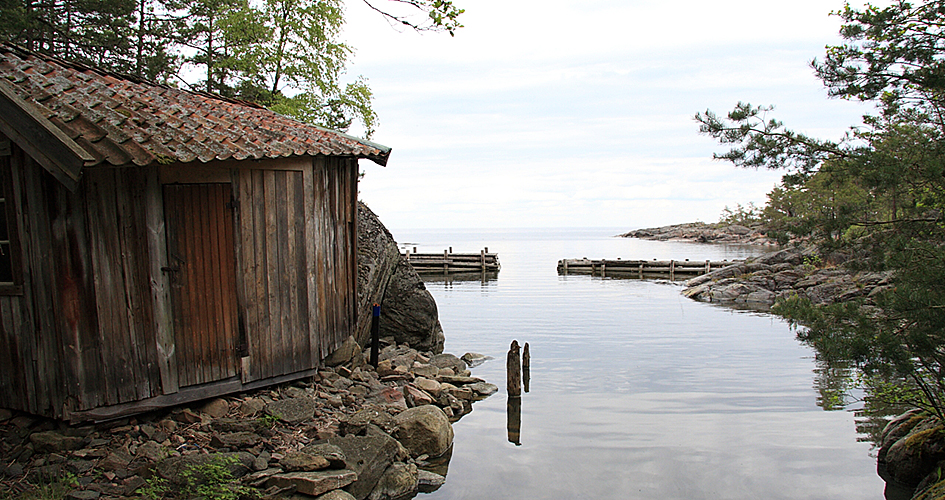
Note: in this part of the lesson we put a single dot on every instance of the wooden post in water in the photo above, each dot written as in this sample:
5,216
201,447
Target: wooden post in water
513,369
526,366
482,259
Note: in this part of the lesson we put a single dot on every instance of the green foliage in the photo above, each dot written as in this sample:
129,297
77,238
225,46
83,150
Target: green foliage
877,193
52,488
282,54
211,480
741,215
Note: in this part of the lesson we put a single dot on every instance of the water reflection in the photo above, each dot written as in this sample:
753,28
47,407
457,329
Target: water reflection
514,419
449,278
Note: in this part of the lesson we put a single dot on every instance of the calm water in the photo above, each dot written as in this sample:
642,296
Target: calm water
636,391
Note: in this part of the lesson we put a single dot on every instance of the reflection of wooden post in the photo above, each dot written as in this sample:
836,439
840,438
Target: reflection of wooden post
513,412
513,368
526,366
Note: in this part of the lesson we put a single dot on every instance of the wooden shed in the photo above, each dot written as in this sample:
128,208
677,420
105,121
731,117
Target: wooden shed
159,246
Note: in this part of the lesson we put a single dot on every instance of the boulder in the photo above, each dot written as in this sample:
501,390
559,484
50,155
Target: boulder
369,456
378,256
409,312
448,361
400,480
424,430
429,481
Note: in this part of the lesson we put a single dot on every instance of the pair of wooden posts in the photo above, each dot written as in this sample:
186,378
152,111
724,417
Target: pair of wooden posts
518,368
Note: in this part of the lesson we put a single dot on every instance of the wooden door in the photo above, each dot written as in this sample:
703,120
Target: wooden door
202,268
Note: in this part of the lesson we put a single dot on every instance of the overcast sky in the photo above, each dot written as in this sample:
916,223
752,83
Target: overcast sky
560,113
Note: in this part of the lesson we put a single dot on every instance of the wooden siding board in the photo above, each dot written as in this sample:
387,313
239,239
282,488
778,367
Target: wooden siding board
159,283
312,312
84,364
299,271
27,328
247,274
110,284
273,276
264,340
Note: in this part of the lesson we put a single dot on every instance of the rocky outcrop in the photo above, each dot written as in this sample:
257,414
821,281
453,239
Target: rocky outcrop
760,282
705,233
912,454
408,311
348,432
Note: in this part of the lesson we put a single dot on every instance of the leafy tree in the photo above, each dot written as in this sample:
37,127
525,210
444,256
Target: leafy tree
879,191
283,54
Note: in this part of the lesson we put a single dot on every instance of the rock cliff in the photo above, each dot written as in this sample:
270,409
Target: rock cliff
408,311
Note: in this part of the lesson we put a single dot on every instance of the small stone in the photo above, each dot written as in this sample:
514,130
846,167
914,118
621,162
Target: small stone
416,396
216,408
83,495
5,415
187,416
151,451
429,481
235,440
292,410
430,386
251,407
132,484
52,442
297,461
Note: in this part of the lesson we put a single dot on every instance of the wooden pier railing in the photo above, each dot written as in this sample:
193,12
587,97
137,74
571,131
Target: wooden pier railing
640,268
449,262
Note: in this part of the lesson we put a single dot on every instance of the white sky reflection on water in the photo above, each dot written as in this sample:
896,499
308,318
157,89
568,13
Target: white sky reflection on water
636,391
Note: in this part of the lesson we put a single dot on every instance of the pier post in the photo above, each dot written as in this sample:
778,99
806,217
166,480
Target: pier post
526,366
513,368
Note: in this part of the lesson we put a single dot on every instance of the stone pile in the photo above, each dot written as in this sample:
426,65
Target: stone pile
349,432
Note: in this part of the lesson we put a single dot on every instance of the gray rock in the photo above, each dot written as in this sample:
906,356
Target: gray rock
83,495
54,442
298,461
152,451
334,455
474,359
335,495
378,256
409,312
216,408
449,361
483,389
429,481
292,410
314,483
399,481
424,430
237,440
346,352
369,456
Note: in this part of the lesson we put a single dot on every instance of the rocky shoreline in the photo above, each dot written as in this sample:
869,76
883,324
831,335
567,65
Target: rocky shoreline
349,432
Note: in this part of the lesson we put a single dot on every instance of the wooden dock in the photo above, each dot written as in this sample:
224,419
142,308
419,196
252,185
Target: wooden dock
641,268
453,263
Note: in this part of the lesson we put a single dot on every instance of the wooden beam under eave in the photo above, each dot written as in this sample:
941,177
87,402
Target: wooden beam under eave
23,124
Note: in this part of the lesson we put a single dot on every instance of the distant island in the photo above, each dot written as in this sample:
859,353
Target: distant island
702,232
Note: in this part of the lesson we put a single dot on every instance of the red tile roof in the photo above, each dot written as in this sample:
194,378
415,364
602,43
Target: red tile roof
122,120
